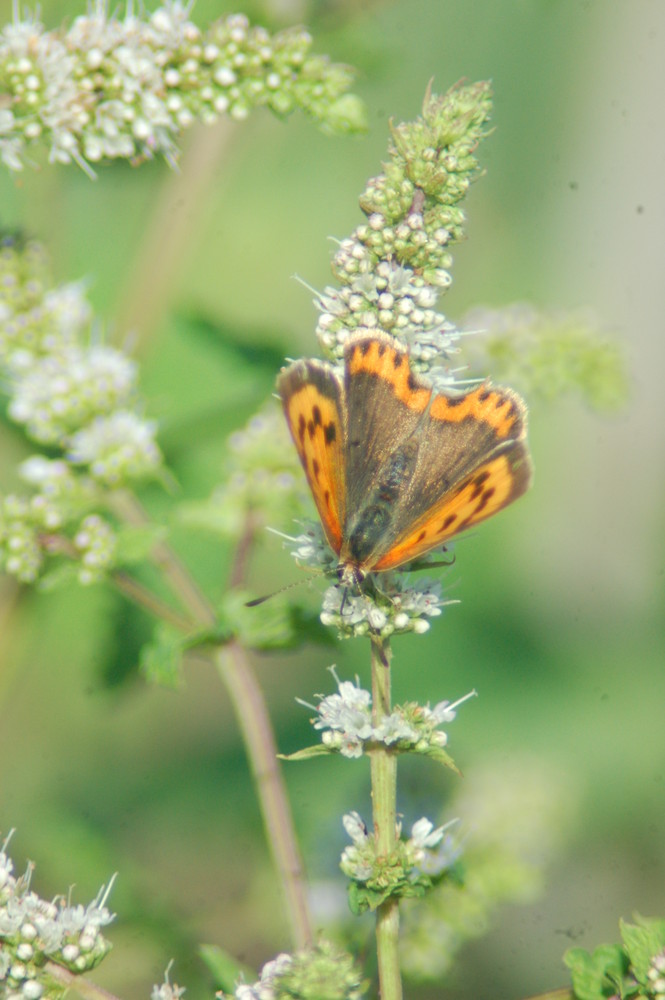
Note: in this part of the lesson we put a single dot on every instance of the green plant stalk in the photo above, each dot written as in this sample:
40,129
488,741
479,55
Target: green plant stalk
235,671
78,984
240,681
383,766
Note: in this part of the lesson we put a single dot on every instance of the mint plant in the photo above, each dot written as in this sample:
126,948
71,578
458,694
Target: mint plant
108,88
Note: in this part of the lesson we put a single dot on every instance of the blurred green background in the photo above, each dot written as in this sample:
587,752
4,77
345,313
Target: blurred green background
560,628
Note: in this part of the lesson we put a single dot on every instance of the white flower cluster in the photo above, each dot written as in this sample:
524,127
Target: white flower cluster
117,447
167,990
318,971
69,394
404,607
112,87
67,389
310,547
25,522
656,975
385,296
345,721
264,989
33,930
429,851
96,544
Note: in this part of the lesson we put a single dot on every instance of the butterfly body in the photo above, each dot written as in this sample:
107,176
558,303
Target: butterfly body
396,468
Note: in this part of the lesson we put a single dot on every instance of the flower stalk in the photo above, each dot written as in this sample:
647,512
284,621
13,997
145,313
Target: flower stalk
383,770
235,671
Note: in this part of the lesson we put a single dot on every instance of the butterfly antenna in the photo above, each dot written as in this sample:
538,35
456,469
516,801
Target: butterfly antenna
266,597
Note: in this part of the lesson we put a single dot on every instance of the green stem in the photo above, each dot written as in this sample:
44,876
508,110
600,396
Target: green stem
235,670
84,988
145,598
383,765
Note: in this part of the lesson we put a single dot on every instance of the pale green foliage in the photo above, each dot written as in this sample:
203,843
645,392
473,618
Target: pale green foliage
549,355
512,820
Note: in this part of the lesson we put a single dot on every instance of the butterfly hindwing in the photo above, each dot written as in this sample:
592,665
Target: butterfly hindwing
472,462
492,485
312,397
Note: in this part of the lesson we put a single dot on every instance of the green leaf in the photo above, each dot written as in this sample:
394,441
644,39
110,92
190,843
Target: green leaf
130,629
596,976
161,659
134,544
274,625
642,940
362,898
224,968
318,750
440,755
59,576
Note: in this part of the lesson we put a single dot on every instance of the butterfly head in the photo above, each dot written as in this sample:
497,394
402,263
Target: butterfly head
350,575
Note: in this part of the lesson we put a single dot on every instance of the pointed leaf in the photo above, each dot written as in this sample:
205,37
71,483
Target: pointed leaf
595,975
224,968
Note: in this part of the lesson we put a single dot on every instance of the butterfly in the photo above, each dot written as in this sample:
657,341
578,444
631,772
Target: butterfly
395,467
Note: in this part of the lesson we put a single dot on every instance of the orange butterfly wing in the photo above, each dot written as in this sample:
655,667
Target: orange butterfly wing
312,398
488,489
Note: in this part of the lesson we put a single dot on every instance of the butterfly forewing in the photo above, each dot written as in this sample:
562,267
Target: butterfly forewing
312,397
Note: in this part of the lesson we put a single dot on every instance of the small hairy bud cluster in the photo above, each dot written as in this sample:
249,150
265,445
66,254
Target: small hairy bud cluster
322,971
394,266
111,87
391,298
33,930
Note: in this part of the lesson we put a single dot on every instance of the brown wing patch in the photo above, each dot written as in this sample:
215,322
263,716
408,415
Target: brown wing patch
489,488
501,409
382,357
311,396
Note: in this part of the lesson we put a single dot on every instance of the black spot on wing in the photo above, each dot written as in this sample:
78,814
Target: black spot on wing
478,484
330,433
484,500
447,522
